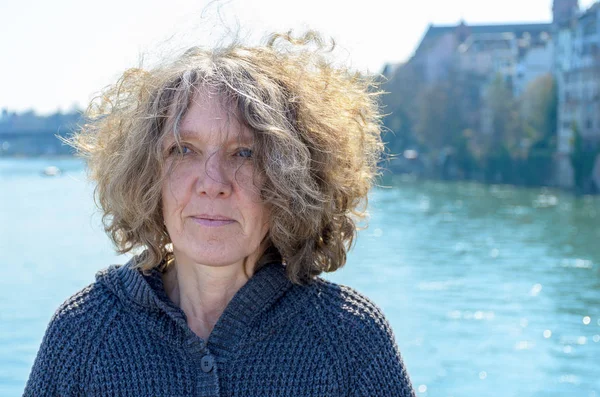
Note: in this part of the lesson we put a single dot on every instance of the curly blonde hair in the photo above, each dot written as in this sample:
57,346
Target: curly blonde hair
317,143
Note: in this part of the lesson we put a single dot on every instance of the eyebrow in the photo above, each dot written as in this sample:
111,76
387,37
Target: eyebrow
244,137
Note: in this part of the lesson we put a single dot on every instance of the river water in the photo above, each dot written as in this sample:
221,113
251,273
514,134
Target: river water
490,290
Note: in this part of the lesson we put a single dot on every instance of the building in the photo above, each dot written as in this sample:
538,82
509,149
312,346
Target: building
518,52
568,47
577,69
484,49
488,54
535,59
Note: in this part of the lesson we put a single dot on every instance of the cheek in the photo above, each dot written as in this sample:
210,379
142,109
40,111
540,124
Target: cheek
173,194
251,183
265,220
252,207
248,181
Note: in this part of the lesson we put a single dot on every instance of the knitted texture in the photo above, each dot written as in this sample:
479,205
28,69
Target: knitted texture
122,336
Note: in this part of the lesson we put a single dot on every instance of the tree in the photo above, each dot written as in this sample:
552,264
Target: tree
501,143
504,113
582,159
439,122
400,107
539,110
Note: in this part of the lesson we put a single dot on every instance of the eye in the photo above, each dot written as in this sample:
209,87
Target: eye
244,152
180,150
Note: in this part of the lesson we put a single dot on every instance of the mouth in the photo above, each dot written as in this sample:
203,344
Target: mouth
212,220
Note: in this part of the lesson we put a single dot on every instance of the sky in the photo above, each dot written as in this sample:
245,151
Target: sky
56,55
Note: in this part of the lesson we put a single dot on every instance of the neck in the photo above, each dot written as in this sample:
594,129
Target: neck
203,292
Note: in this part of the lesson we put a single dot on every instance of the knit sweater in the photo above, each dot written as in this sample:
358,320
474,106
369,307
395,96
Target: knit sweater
123,336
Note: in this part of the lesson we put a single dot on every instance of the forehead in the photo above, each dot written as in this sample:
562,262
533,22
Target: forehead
212,118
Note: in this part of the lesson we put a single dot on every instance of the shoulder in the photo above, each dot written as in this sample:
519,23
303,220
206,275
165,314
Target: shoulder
339,314
84,311
362,339
70,341
348,307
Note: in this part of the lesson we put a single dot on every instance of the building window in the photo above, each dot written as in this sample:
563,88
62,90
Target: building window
589,28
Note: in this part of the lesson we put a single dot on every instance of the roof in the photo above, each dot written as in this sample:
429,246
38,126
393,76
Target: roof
488,41
592,10
391,68
495,28
434,32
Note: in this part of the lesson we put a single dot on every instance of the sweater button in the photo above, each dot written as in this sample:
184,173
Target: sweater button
207,363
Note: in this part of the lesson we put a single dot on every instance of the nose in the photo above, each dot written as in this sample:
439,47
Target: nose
214,181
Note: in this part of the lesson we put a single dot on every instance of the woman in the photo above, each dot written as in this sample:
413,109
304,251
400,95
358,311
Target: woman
240,171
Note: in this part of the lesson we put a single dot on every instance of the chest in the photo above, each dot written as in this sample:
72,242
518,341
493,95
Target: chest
278,363
272,363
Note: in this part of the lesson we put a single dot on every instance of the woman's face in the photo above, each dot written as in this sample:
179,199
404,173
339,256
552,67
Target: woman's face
211,197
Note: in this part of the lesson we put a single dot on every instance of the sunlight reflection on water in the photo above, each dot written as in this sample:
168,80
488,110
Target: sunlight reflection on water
490,290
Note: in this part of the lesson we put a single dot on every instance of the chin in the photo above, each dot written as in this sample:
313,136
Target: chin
218,262
213,258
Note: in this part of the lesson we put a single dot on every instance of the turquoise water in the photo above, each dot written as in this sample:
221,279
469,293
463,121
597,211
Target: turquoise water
490,290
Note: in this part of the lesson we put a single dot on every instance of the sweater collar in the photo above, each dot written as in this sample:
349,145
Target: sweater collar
144,293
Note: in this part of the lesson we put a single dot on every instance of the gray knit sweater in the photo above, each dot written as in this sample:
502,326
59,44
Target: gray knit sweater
122,336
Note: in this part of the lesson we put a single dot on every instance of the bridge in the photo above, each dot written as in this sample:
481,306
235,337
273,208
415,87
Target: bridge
33,143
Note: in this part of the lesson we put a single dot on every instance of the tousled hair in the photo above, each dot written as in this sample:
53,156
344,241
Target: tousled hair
317,143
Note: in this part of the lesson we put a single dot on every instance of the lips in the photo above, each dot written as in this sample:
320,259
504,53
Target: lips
212,220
